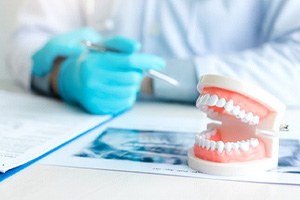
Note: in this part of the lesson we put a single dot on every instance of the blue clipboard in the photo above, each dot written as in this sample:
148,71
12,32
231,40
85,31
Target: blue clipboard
13,171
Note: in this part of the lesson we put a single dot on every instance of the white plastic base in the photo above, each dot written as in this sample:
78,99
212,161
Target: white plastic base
230,169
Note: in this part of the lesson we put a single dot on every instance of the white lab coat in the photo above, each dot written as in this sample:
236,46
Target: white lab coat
257,41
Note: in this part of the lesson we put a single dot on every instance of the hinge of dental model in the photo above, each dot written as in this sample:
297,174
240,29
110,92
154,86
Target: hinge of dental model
284,127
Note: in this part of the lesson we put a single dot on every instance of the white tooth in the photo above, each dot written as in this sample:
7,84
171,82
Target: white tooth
228,146
235,146
248,117
197,139
205,99
229,106
212,100
207,144
221,103
202,143
255,119
244,145
198,101
254,142
241,114
220,146
213,145
236,110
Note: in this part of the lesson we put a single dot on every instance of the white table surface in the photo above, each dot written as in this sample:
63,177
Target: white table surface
53,182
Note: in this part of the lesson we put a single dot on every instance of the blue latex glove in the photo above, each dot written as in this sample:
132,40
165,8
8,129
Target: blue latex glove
106,82
64,45
101,83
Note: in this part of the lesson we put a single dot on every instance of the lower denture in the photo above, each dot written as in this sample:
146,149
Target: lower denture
254,153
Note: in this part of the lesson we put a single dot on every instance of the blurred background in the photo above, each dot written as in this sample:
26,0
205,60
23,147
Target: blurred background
8,12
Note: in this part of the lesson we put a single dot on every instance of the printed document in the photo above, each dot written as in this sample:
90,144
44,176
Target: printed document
31,126
139,142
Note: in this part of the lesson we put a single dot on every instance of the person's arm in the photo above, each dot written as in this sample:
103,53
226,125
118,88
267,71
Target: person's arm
37,22
274,65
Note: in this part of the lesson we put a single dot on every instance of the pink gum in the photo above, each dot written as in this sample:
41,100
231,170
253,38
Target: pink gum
232,156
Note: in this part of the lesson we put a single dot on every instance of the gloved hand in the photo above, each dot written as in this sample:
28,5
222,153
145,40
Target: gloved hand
64,45
102,82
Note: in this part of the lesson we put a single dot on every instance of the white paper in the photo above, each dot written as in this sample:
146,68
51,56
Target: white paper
156,144
30,126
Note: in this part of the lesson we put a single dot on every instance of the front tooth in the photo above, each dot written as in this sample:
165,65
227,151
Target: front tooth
213,145
228,146
198,101
220,146
229,106
202,143
221,103
244,146
212,100
205,99
197,139
255,119
207,144
236,110
241,114
235,146
254,142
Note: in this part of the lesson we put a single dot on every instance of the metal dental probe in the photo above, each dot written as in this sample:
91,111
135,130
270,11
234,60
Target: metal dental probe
152,73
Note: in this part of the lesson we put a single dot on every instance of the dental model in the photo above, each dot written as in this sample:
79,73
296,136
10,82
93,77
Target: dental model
245,141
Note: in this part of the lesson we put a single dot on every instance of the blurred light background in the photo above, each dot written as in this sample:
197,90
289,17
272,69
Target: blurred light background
8,12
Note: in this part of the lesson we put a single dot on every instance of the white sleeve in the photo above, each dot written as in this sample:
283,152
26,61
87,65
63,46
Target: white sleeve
36,23
274,65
